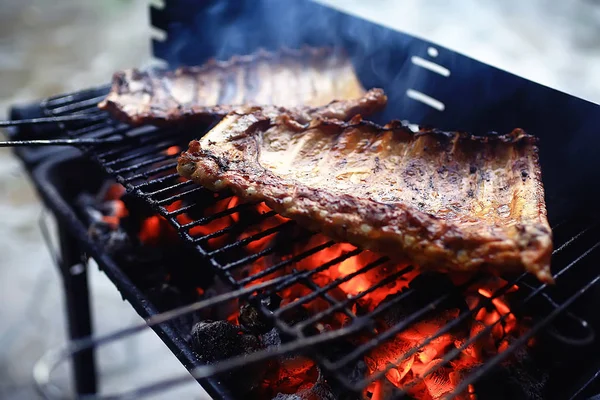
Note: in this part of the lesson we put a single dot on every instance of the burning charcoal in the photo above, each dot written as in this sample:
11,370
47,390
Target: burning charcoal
293,376
291,373
103,225
221,340
271,338
383,389
426,288
252,320
405,350
518,377
320,390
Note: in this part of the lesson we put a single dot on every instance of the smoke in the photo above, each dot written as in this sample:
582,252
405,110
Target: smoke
222,29
472,96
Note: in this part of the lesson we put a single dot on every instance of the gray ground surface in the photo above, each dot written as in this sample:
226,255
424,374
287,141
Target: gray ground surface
52,47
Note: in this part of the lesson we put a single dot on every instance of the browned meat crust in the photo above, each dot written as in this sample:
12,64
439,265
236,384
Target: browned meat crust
444,201
309,77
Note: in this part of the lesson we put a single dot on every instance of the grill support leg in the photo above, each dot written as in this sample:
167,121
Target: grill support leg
77,300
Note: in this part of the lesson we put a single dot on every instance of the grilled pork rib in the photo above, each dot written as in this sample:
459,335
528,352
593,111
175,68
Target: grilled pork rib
295,79
444,201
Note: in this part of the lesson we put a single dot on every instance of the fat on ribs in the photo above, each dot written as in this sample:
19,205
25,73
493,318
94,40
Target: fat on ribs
298,80
447,201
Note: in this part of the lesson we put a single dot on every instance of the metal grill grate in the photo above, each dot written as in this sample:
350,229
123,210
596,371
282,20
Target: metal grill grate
247,244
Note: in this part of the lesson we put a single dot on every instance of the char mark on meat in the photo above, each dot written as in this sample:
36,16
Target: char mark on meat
299,80
378,188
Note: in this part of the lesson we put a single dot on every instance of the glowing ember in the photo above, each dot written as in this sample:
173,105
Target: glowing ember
150,230
404,361
114,192
419,381
173,150
116,207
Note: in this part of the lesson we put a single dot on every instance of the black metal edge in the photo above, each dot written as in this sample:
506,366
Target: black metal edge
32,155
167,331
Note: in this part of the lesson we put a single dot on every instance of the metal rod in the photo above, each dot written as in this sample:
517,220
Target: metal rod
51,120
49,361
455,352
461,387
60,142
209,370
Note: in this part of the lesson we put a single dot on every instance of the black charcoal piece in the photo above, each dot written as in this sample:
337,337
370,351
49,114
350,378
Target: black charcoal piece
220,340
251,319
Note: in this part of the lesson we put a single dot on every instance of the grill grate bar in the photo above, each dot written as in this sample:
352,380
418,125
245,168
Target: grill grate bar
306,274
153,142
249,239
457,351
217,215
389,334
150,181
157,181
269,250
335,283
324,295
60,100
180,196
93,131
285,263
145,163
78,106
351,299
361,350
170,188
144,175
526,336
141,153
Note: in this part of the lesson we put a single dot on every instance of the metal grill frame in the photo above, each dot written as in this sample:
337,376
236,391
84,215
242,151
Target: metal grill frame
74,234
471,112
140,179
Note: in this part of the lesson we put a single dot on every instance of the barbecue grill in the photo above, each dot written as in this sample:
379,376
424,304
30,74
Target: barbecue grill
458,94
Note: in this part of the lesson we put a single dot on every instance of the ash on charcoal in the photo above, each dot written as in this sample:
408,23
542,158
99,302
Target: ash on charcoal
320,390
271,338
252,320
114,239
220,340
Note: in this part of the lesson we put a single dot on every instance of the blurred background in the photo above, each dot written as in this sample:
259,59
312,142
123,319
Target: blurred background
47,48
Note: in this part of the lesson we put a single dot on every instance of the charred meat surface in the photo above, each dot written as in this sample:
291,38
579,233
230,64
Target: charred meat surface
302,79
446,201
